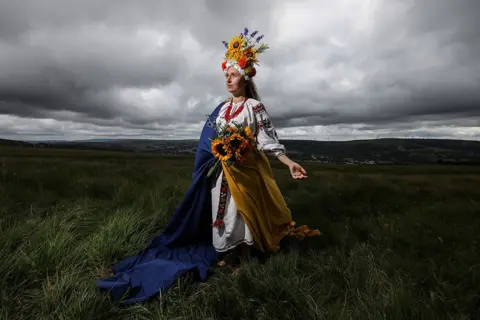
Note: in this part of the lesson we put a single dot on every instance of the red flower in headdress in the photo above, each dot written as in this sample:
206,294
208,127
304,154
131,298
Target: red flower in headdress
242,62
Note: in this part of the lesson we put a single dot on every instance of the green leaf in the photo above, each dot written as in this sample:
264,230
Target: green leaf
213,168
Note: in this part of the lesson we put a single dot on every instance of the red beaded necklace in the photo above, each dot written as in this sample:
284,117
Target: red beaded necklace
229,116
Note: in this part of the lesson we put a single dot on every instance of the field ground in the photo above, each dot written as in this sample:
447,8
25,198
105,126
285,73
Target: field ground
399,242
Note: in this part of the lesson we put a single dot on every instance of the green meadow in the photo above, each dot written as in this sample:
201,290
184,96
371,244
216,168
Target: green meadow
398,242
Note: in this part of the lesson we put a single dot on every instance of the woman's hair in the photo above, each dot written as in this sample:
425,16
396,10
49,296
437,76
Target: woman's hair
251,90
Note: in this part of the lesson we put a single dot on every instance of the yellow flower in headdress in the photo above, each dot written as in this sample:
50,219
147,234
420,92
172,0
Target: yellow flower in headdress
236,43
251,54
234,54
235,48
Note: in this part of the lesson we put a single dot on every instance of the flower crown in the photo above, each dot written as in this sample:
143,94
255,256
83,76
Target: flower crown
242,54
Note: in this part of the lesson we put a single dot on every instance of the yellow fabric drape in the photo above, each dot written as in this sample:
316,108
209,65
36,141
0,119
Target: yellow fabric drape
261,204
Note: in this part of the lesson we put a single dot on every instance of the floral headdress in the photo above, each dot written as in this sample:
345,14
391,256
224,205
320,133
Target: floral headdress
242,54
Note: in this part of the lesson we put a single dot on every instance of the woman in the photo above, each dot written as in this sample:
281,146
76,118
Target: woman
243,205
245,109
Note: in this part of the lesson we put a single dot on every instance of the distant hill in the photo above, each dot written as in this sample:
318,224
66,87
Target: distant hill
14,143
389,150
378,151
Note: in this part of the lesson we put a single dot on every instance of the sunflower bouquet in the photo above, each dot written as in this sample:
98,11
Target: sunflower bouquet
231,144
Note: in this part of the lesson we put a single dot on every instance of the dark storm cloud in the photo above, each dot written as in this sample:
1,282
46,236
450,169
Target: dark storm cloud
203,17
76,56
124,65
79,89
419,62
432,104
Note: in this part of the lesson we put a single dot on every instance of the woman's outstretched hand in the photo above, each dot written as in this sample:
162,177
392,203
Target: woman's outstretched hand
297,172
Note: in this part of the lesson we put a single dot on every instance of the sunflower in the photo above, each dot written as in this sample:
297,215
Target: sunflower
235,48
243,151
234,54
236,43
235,141
220,150
248,133
251,54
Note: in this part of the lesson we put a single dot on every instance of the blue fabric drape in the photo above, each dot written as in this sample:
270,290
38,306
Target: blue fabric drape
185,244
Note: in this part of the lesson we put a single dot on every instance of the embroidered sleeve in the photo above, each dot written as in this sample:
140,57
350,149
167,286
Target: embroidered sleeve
267,137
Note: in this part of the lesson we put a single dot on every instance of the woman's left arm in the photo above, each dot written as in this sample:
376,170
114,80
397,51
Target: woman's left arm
268,142
296,170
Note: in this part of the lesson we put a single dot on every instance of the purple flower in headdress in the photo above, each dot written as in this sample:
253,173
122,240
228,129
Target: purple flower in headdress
254,33
245,31
225,44
259,38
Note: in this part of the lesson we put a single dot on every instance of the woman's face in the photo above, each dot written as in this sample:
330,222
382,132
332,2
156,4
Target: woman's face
235,81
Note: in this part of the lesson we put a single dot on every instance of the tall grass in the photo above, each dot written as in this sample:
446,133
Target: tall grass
397,242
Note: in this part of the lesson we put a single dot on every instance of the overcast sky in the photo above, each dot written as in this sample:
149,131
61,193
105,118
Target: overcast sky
338,70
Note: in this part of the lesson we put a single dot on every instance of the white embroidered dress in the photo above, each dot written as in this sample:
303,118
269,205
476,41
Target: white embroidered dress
256,117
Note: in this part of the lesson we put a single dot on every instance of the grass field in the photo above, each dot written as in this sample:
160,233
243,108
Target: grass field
399,242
